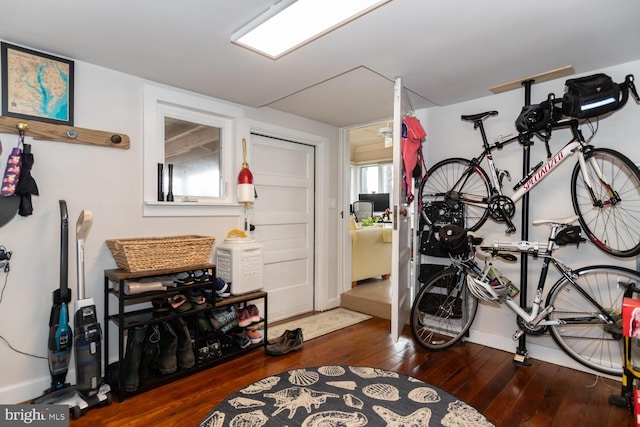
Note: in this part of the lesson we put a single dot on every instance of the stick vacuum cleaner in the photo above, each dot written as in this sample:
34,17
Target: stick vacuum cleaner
60,334
89,391
88,334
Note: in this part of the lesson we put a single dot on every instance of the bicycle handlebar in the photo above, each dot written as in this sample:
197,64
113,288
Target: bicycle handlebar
628,81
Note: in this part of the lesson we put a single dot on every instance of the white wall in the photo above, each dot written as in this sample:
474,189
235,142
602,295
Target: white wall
448,136
108,182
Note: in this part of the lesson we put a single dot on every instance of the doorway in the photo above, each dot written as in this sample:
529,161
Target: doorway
367,150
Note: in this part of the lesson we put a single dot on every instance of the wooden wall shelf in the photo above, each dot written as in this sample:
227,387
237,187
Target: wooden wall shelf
63,133
537,78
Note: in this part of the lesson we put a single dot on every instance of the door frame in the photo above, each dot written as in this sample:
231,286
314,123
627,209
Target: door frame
321,298
344,184
401,297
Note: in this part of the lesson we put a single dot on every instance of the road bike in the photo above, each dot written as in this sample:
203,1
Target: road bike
582,310
605,184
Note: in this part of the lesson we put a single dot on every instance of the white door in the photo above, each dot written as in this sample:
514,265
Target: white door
283,215
401,247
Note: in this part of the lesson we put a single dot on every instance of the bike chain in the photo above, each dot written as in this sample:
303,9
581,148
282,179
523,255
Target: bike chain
530,330
617,327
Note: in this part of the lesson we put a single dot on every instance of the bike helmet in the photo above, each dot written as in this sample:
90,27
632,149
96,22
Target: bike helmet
533,118
486,291
454,239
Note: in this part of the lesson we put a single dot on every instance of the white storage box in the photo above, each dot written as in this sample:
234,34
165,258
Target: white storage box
240,262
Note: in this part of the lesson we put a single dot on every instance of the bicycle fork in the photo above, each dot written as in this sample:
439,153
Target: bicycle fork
614,197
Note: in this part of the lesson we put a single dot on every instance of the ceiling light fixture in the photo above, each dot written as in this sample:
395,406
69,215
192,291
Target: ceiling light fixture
387,133
289,24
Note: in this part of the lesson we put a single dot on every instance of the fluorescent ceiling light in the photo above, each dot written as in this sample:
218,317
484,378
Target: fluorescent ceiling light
291,23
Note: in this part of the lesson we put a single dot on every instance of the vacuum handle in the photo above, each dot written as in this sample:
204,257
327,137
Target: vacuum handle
83,226
64,293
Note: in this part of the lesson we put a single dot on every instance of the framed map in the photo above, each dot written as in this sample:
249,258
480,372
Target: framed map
36,86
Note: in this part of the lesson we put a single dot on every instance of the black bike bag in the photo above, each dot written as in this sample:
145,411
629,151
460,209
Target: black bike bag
454,239
591,96
569,236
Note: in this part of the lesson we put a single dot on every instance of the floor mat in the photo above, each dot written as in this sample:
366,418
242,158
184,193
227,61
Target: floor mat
321,323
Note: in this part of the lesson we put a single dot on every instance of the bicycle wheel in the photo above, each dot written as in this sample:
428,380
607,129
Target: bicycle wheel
443,311
613,226
583,334
456,192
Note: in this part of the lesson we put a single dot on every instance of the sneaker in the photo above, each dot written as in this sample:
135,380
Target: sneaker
241,339
226,342
223,317
215,348
255,334
203,355
254,313
244,318
223,289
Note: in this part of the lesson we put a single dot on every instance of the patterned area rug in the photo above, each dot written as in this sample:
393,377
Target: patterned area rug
345,396
320,324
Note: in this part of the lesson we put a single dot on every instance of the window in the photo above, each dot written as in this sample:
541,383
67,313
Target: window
194,136
377,178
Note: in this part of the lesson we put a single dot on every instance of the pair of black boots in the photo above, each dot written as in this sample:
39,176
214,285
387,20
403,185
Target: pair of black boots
164,347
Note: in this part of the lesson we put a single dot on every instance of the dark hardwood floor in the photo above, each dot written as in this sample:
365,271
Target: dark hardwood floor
542,394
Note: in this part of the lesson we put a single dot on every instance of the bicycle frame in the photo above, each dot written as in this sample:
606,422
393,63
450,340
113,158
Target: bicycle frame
538,315
577,144
547,168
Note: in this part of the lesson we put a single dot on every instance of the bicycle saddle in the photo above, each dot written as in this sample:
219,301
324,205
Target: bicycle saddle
479,116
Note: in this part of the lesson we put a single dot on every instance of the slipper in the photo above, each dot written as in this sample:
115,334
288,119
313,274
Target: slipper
184,278
160,306
202,276
179,303
195,296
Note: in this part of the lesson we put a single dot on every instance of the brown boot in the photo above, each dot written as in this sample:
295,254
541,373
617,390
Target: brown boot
288,342
185,356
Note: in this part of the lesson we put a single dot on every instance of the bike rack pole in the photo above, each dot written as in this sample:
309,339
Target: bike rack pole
521,357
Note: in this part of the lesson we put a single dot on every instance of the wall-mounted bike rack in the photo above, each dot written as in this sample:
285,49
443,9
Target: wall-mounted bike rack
521,357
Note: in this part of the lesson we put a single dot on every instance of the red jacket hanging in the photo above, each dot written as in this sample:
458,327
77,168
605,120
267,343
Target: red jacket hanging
411,147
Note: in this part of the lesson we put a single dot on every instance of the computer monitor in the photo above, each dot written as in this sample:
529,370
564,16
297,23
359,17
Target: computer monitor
380,200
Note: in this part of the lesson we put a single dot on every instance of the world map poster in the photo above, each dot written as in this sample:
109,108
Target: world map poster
36,85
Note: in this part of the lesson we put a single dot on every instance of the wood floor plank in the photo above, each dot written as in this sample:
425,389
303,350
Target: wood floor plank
540,395
532,395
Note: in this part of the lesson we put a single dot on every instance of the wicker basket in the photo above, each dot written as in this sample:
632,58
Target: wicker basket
158,253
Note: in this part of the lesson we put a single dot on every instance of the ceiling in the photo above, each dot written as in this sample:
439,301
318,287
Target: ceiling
445,51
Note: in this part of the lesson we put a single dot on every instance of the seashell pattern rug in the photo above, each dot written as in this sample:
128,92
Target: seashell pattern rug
345,396
320,324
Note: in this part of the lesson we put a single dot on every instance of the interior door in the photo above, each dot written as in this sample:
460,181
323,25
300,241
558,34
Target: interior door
401,246
283,215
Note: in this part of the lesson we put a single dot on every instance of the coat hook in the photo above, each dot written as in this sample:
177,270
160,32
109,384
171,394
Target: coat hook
22,127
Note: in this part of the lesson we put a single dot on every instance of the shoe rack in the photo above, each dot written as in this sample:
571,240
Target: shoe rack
126,312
